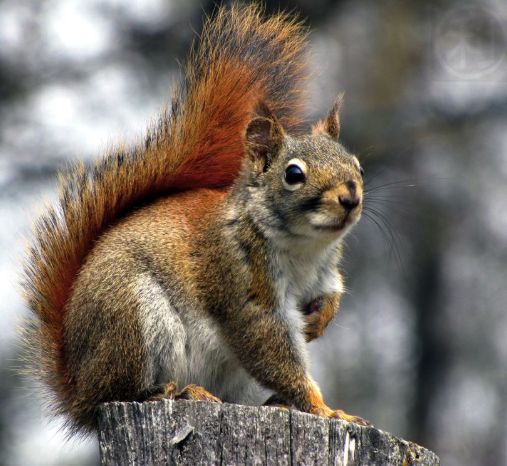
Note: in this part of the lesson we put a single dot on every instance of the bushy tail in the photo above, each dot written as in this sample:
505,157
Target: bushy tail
239,60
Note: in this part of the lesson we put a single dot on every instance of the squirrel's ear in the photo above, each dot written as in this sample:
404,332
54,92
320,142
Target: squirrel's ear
264,137
331,125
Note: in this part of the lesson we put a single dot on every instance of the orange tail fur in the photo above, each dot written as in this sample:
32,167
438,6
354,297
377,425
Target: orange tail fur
239,60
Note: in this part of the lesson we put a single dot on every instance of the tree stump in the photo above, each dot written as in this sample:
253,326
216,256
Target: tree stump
199,433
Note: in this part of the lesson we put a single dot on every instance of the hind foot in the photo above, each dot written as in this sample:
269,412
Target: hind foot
197,393
190,392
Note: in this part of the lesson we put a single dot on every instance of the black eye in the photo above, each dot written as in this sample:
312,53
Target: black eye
361,170
294,174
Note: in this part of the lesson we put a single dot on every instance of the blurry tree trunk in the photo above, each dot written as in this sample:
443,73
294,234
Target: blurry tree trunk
433,348
199,433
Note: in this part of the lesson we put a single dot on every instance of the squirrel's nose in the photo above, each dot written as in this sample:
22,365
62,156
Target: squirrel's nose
350,195
349,201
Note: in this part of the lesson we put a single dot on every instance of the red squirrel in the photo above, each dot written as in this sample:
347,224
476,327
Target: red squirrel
198,264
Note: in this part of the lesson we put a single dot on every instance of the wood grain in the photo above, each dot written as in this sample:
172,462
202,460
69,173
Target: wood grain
199,433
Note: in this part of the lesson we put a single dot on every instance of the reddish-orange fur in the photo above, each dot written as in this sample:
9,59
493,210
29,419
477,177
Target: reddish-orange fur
241,59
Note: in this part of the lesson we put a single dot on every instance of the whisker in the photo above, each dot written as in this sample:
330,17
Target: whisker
392,204
335,324
375,174
394,207
394,238
384,198
379,226
391,186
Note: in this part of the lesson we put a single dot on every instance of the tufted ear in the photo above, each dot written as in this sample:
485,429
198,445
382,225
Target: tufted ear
331,125
264,137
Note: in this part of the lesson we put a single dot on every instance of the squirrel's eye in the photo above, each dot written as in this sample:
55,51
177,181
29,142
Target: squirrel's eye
294,174
361,170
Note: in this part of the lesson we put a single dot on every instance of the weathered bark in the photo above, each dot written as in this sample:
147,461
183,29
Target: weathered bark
199,433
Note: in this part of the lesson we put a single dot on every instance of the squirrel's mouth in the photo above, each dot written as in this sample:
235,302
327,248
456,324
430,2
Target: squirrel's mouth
338,225
332,227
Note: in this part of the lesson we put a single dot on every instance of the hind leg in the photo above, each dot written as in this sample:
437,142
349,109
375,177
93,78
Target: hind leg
190,392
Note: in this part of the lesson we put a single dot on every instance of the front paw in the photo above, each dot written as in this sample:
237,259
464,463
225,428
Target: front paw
324,411
314,327
314,307
339,414
318,314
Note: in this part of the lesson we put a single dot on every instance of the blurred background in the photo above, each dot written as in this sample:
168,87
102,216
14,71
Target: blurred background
420,345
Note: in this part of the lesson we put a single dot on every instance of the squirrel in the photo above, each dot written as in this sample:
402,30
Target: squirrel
197,264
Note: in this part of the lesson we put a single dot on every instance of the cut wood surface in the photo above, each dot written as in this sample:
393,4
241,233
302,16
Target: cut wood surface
200,433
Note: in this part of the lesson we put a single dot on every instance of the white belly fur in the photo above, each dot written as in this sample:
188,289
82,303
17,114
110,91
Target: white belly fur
186,347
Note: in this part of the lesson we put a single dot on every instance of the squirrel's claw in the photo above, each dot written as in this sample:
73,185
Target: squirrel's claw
324,411
339,414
